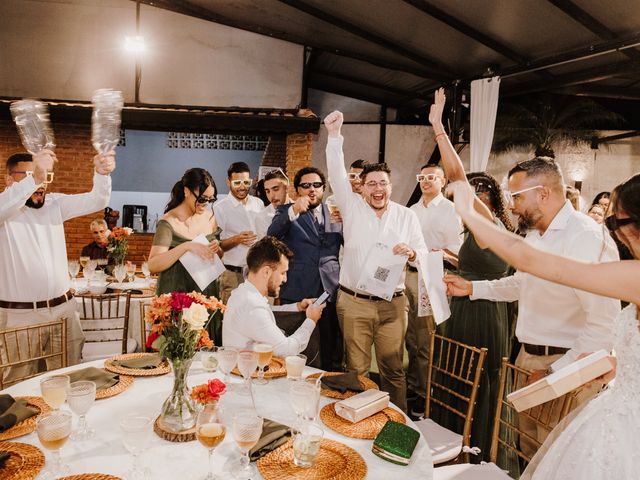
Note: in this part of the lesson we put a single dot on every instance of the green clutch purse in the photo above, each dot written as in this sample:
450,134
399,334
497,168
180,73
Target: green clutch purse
395,443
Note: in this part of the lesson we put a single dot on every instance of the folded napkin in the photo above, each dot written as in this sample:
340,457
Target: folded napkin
6,401
344,382
362,405
16,413
273,435
4,456
146,362
100,377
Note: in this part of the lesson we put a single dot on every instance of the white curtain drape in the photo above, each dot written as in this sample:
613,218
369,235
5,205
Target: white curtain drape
484,106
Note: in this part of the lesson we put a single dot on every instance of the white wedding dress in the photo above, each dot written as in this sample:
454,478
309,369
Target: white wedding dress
601,441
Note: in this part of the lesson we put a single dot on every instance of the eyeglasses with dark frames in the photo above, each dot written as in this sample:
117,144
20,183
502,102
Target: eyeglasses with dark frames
613,223
308,185
205,200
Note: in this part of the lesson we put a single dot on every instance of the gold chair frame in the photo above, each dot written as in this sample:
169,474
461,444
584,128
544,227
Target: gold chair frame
105,306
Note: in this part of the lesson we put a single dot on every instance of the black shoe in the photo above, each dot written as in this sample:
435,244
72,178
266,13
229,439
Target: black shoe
412,396
417,409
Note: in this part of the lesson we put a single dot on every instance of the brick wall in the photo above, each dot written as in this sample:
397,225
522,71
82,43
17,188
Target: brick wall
299,146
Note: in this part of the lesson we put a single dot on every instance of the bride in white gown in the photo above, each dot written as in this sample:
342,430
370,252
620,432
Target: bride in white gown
600,440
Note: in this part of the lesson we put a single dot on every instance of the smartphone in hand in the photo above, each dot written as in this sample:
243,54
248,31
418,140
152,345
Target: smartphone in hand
321,299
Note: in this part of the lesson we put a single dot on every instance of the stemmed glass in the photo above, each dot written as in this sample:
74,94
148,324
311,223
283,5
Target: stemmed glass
53,431
74,270
227,359
131,271
146,272
247,428
120,272
210,432
265,352
54,390
81,396
304,396
247,364
83,261
136,428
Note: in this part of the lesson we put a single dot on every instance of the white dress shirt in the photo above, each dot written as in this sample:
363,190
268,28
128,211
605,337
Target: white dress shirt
234,217
264,219
362,228
553,314
249,319
33,252
441,226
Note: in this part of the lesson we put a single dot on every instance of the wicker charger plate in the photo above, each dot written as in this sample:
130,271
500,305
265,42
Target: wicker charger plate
91,476
24,463
161,369
367,384
162,432
28,425
276,369
335,461
368,428
123,384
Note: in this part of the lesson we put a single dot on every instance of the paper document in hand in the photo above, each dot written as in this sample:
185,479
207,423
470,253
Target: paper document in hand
201,270
431,271
381,271
563,381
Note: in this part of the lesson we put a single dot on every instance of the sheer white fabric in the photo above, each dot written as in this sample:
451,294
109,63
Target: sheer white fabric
600,441
484,106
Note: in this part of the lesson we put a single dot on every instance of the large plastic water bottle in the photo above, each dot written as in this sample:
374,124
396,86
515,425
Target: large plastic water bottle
32,120
105,120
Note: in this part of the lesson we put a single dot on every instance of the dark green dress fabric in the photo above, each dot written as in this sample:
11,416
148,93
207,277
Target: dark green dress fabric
177,279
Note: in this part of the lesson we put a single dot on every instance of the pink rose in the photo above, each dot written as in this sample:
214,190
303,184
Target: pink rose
180,301
216,388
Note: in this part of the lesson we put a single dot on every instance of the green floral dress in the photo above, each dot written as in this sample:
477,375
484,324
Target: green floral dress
177,279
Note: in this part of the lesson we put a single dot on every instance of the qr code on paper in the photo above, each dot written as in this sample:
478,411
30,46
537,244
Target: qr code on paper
381,274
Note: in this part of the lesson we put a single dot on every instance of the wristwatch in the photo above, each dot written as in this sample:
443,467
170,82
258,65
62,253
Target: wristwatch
549,370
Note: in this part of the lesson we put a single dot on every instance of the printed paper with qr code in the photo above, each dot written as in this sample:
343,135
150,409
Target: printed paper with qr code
381,271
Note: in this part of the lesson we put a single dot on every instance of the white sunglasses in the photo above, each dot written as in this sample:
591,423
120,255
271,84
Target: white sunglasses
511,196
430,177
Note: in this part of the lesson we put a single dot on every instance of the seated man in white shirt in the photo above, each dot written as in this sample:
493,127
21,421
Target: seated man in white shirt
249,319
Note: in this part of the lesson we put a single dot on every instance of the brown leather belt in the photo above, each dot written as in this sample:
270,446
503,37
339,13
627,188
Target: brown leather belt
368,297
233,268
543,350
54,302
412,269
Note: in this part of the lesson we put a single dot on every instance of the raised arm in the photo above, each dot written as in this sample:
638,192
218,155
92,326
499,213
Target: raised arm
612,279
338,178
451,163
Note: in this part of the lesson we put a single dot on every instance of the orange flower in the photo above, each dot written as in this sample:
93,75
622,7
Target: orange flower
200,393
211,303
204,341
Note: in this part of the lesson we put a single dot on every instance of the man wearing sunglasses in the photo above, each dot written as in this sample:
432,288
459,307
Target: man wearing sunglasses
556,324
34,283
305,227
442,230
236,215
369,219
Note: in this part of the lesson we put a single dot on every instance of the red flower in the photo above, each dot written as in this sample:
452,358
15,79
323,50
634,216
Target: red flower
151,338
180,301
216,388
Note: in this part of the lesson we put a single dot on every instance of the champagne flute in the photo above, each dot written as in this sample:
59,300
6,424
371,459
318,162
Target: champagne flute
136,428
81,396
210,432
265,352
227,359
247,364
53,432
119,272
247,428
54,390
146,272
74,270
131,271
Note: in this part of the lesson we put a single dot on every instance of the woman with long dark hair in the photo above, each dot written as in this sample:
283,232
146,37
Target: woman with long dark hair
187,216
600,440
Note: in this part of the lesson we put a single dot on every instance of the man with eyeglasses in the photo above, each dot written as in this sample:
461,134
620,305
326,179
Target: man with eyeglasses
34,279
275,188
98,248
556,324
370,219
442,230
236,215
306,228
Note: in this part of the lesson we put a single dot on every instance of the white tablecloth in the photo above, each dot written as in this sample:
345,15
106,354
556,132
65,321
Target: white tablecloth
166,460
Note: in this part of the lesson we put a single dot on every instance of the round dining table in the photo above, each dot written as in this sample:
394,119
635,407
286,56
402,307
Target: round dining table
105,453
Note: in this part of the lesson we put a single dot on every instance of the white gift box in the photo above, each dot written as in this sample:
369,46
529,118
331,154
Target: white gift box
362,405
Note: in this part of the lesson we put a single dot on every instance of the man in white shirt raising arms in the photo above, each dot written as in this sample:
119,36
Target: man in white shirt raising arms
370,218
34,283
249,319
236,215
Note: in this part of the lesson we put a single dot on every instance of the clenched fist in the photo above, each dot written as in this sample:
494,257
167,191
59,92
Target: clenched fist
105,164
333,122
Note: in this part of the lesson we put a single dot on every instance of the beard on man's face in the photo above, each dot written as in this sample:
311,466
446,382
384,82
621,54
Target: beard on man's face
36,200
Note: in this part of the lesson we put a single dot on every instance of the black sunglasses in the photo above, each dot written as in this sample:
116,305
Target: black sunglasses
307,185
613,223
205,200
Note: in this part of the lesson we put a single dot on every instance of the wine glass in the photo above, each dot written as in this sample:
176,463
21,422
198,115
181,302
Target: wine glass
83,262
247,428
146,272
81,396
304,396
265,352
54,390
136,428
247,364
120,272
131,271
53,431
210,432
227,359
74,270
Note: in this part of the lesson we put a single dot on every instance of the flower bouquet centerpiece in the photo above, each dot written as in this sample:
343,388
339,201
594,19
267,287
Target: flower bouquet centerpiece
118,245
178,330
209,392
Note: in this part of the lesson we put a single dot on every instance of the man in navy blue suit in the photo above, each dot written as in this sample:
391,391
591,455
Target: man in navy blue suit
305,227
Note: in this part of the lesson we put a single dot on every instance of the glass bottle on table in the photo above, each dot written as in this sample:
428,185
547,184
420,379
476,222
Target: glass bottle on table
265,352
53,430
210,432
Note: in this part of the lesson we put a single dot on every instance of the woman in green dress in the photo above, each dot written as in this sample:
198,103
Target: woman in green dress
187,216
